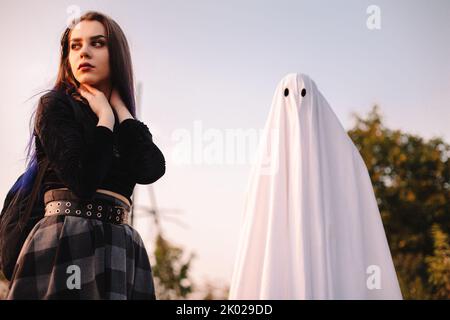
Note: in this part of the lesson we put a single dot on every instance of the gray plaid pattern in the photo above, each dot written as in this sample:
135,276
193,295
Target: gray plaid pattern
112,260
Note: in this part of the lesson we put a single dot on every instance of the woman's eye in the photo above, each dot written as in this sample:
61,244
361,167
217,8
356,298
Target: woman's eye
99,42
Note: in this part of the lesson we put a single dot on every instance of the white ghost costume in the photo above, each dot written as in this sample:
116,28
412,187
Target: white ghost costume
311,227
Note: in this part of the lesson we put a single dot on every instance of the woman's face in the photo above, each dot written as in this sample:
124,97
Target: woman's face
88,44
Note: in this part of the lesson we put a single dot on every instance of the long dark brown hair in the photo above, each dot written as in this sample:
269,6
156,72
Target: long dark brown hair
121,77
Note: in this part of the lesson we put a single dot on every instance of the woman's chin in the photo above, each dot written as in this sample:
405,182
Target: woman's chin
88,80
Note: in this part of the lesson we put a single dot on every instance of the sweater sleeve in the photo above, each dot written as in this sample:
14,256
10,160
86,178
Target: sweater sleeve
79,164
142,158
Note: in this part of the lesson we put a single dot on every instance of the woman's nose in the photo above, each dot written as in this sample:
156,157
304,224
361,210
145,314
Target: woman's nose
84,51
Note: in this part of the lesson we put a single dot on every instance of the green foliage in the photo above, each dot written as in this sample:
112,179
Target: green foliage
171,273
411,180
439,264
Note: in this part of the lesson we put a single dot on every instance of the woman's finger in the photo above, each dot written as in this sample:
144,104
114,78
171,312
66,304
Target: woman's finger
86,94
90,88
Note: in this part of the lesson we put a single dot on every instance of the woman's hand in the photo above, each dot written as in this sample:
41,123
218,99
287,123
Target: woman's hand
119,106
96,99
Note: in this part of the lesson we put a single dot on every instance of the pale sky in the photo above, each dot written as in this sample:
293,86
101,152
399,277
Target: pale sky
209,68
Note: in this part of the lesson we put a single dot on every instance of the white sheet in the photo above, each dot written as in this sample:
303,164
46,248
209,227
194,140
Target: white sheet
311,226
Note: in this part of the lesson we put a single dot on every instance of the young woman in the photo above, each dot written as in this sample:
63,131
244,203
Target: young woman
83,247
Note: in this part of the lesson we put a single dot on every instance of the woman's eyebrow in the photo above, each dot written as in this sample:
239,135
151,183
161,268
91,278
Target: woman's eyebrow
92,38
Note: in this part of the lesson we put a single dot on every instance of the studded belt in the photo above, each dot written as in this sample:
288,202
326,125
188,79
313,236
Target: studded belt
101,206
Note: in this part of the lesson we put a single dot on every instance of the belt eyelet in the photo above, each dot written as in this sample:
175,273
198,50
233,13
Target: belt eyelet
58,204
99,214
89,206
88,213
78,211
57,211
67,211
100,208
68,204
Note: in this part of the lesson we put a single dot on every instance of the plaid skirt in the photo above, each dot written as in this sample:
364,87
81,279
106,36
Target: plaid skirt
71,257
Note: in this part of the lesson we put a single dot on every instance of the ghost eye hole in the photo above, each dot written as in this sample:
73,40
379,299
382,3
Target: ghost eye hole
303,92
286,92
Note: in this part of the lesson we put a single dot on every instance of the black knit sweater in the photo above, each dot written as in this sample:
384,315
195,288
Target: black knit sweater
84,157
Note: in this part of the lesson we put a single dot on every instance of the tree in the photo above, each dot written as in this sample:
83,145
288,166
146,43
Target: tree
439,264
411,180
171,273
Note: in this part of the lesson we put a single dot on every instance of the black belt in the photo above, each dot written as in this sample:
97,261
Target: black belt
101,206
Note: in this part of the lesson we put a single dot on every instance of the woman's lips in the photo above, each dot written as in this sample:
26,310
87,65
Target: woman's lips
86,68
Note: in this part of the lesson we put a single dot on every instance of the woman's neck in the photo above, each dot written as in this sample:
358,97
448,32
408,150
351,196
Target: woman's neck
104,87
